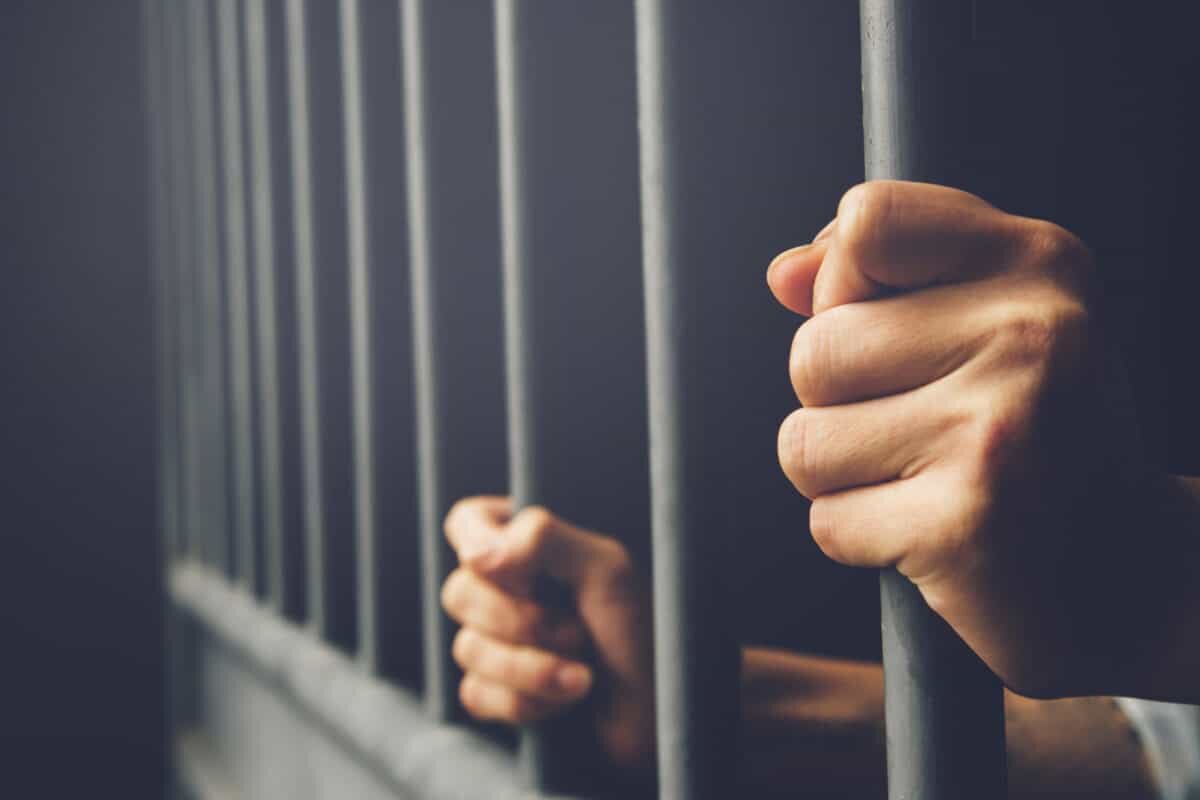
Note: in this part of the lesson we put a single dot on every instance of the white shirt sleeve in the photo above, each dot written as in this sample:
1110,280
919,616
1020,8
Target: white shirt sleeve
1170,734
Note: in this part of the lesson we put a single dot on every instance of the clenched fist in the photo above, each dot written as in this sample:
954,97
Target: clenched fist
964,419
524,661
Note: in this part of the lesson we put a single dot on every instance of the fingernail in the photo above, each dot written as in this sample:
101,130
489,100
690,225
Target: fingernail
573,678
785,256
825,232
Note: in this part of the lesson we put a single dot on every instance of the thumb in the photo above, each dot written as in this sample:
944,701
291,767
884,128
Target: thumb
538,543
793,274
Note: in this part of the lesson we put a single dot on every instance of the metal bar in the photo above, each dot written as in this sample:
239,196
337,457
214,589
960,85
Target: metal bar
453,241
945,709
696,662
262,207
299,129
542,768
182,265
161,228
156,30
440,684
237,292
362,392
208,275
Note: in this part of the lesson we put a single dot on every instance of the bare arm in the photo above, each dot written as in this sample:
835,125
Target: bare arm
818,723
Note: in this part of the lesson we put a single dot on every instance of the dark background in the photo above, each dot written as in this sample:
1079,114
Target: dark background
1086,115
80,598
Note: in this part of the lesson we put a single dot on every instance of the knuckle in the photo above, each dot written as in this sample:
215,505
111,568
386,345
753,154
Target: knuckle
1028,336
800,451
863,210
455,516
453,593
617,567
807,366
825,531
463,649
468,695
1057,250
535,524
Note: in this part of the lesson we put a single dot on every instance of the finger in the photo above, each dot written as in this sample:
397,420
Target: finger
792,274
894,235
861,351
474,524
536,542
528,670
831,448
910,524
476,603
492,701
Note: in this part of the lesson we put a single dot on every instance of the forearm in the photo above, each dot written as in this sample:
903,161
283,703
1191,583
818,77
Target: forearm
811,726
817,723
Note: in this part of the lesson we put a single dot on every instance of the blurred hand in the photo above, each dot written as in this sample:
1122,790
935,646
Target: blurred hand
963,421
524,661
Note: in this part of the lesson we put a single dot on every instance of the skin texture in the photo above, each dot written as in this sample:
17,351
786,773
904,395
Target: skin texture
965,421
809,722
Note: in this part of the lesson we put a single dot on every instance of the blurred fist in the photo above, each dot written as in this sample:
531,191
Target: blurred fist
963,421
524,661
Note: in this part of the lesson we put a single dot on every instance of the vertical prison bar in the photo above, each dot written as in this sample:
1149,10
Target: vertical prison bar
182,266
453,243
262,211
696,663
565,94
212,441
299,114
237,292
358,257
523,413
157,87
438,672
944,709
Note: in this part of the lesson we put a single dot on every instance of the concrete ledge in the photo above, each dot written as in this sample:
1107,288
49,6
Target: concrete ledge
385,724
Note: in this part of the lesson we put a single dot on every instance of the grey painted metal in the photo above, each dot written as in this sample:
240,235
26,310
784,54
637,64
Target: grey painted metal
440,686
543,754
237,291
156,33
303,221
518,292
362,391
384,726
695,661
945,710
156,77
453,242
214,436
262,208
183,268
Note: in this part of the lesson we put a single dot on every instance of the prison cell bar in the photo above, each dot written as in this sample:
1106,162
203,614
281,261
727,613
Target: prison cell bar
944,709
213,441
237,292
428,374
262,205
523,447
696,664
299,130
359,259
174,122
